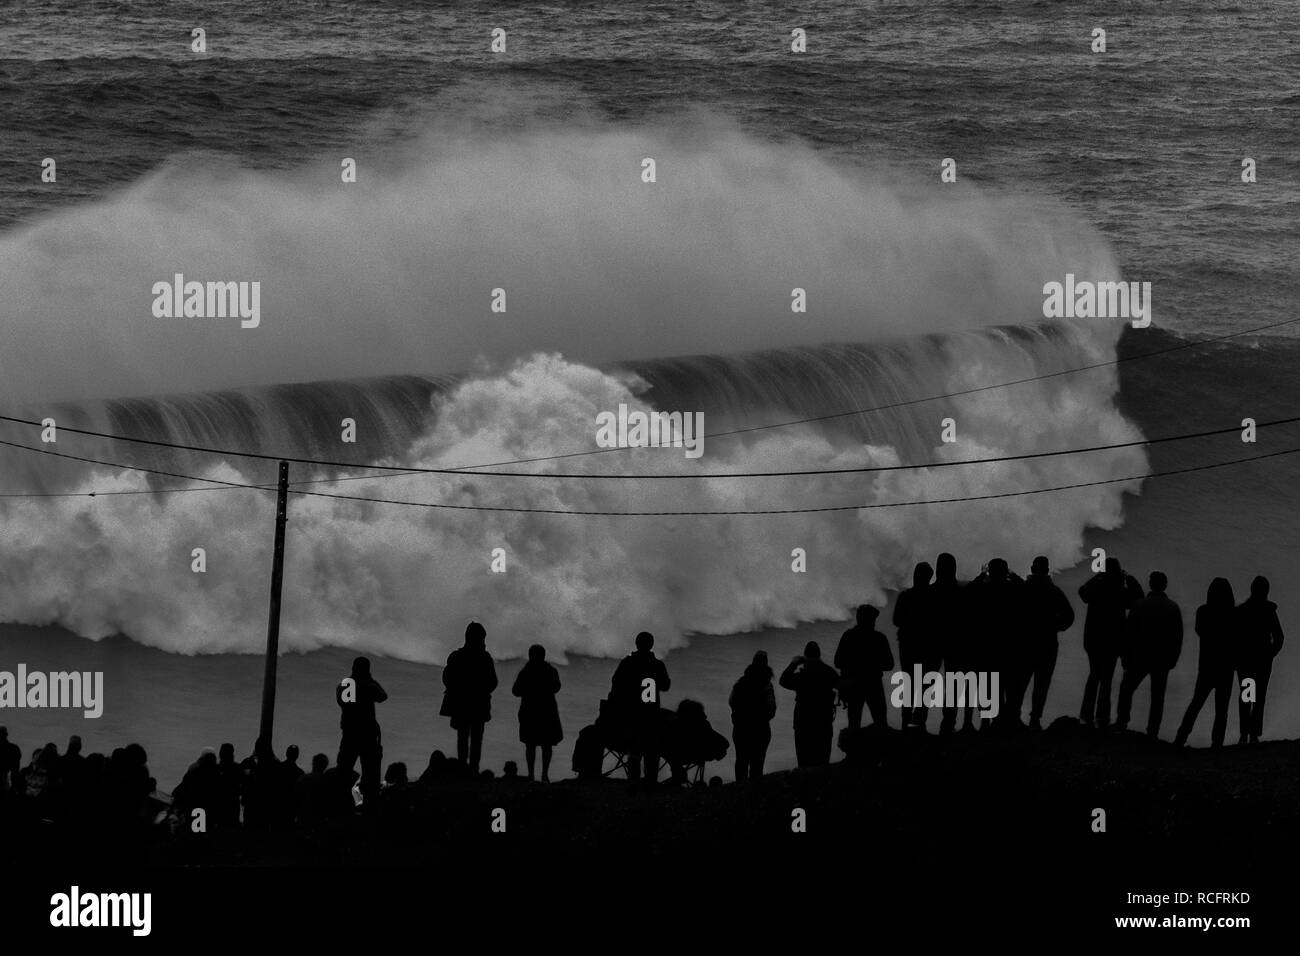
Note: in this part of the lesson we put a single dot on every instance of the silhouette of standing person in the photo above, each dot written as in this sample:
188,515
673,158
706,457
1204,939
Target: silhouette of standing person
309,802
539,718
813,682
199,789
948,597
1261,639
639,681
997,622
229,776
914,622
861,657
11,758
1047,614
470,677
1216,622
261,772
1153,644
288,773
1109,595
753,705
356,696
72,765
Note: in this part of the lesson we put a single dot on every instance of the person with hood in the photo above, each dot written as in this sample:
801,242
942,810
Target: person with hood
753,705
995,604
470,677
813,682
640,681
1047,612
917,641
861,657
1153,644
539,717
1261,639
1216,622
948,601
1109,596
356,696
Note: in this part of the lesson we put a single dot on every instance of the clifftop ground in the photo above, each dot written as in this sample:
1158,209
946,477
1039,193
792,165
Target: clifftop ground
989,826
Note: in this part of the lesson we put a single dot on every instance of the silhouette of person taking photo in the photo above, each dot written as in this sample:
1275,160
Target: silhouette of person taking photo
356,696
813,682
1261,639
1109,596
1152,645
1216,622
753,705
539,717
469,677
639,681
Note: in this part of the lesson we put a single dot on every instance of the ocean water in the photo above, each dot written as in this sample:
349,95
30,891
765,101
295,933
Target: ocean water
522,170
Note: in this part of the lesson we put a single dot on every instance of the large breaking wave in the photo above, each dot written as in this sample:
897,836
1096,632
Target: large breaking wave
377,295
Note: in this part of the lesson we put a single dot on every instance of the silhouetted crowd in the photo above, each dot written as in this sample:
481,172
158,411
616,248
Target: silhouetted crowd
998,623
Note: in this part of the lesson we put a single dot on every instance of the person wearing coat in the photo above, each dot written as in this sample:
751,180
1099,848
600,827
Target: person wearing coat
918,643
1047,613
1109,596
862,657
470,677
814,684
1153,645
1261,638
753,705
1216,624
639,682
539,717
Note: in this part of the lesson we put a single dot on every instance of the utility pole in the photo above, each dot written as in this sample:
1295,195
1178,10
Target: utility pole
273,621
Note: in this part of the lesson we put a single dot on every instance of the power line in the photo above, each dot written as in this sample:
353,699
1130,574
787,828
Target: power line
868,469
756,474
225,485
476,469
784,511
228,485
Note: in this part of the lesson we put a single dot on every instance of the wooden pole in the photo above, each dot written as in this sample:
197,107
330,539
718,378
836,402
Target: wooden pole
273,621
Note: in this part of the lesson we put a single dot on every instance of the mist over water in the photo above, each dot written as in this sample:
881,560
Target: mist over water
392,277
395,272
